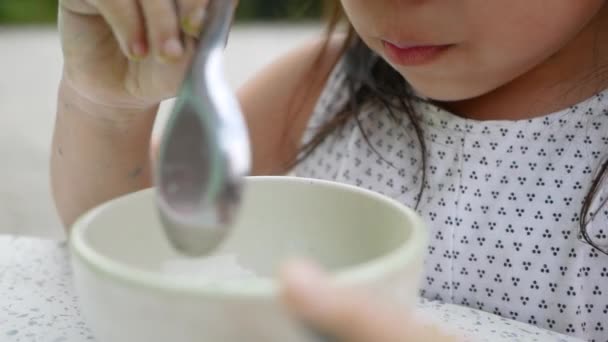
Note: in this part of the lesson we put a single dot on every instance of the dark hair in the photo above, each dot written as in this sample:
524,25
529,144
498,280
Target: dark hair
370,78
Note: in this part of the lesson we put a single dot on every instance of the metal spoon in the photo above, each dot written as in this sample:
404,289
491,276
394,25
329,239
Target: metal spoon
204,152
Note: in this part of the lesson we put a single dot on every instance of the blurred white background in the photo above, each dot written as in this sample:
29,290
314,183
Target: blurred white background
30,68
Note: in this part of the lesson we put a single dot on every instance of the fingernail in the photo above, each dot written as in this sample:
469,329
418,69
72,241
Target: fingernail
138,51
303,280
172,50
193,22
307,290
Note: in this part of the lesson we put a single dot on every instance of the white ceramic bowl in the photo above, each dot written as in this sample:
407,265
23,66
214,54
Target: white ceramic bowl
118,250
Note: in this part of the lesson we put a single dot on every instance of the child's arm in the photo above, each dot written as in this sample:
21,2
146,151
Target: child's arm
117,69
99,152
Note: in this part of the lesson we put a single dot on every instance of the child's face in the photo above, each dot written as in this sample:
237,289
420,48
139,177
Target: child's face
480,45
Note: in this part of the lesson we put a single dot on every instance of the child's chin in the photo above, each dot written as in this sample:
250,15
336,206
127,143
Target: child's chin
442,91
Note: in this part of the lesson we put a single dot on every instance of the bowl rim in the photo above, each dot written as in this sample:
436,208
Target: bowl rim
360,274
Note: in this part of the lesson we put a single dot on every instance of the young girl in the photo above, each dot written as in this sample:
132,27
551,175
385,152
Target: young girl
489,117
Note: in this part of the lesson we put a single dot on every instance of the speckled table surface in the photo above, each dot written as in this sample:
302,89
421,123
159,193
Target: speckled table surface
37,300
38,303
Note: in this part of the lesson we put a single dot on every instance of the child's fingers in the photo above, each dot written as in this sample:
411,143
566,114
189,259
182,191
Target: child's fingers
163,29
192,14
127,24
348,314
342,313
78,6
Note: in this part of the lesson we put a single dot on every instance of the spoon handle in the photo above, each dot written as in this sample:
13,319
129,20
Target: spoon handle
214,33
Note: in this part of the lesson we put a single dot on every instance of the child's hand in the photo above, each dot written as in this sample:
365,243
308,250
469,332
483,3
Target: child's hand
349,315
128,53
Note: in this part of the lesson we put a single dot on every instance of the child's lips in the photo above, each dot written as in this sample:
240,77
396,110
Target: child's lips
412,54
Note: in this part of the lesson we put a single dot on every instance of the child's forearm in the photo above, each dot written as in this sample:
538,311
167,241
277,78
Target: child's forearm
99,153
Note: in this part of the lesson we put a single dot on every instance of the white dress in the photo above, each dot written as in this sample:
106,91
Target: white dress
502,203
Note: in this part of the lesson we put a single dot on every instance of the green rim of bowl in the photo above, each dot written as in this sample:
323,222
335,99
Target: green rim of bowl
363,273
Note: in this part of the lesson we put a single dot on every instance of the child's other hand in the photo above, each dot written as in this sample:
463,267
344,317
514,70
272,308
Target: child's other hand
349,315
128,53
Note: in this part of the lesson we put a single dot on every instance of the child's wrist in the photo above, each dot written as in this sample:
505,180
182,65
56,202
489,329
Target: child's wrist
110,114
